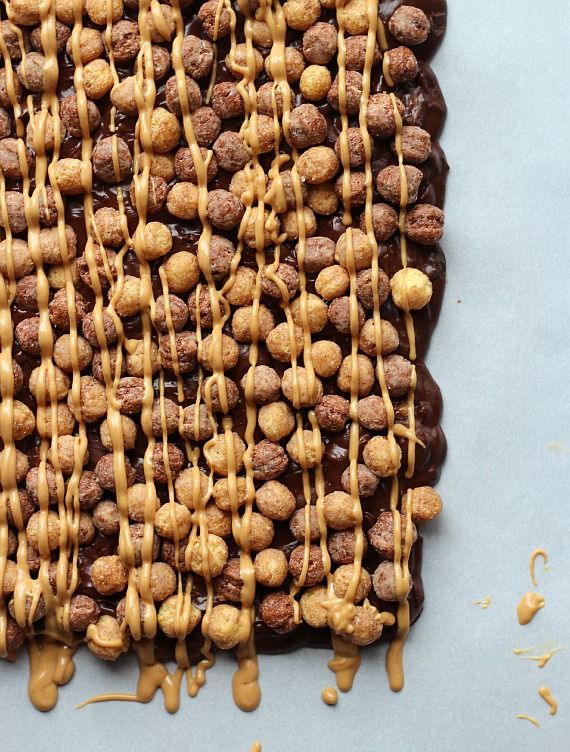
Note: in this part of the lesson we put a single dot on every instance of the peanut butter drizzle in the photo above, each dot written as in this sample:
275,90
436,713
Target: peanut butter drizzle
533,557
484,603
546,695
329,696
345,663
541,660
529,718
255,747
529,605
51,666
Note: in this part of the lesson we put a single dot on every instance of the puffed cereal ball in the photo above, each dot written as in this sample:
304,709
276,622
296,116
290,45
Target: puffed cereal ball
316,313
182,271
327,357
315,83
165,130
365,627
109,575
157,240
107,641
294,65
276,421
224,493
275,500
384,582
313,612
98,79
317,165
290,223
381,534
320,42
227,627
305,450
411,289
172,516
367,481
217,455
237,62
283,344
217,555
175,614
365,375
301,14
308,394
71,175
332,282
426,504
135,358
271,567
361,250
182,201
355,16
52,528
97,10
323,199
342,578
383,456
338,508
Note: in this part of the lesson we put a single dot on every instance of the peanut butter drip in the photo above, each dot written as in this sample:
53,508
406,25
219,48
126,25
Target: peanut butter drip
529,605
544,654
546,695
538,552
529,718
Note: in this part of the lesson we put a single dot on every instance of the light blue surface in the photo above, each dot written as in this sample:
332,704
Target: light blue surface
501,357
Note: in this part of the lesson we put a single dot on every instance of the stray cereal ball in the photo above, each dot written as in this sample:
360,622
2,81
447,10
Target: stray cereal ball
277,611
237,63
323,199
384,582
106,640
402,64
388,338
315,82
177,617
72,176
409,25
271,567
338,508
353,93
426,504
424,224
342,579
268,460
320,43
327,357
217,555
227,626
367,481
313,612
365,378
228,586
416,144
299,389
356,53
389,184
317,165
172,519
43,530
381,534
298,524
301,14
164,130
332,412
276,420
365,627
305,450
340,313
411,289
216,454
341,545
380,116
383,456
109,575
362,250
275,500
283,344
315,570
294,65
372,413
224,209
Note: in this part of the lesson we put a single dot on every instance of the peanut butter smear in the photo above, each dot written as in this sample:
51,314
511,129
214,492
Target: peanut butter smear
48,578
529,605
484,603
546,695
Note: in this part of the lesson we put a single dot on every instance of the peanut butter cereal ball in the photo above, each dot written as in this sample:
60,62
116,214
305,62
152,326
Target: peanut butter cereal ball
281,344
341,545
360,246
52,529
365,627
129,429
224,209
315,570
127,299
313,611
380,117
224,492
367,481
62,353
265,95
426,504
315,315
243,320
332,412
14,202
46,135
227,101
275,500
277,612
217,555
338,508
389,184
219,523
327,357
261,532
332,282
165,130
55,249
372,413
383,456
182,271
162,580
227,627
109,575
340,317
315,82
294,65
90,45
308,127
308,393
173,616
97,364
354,15
398,375
384,582
182,201
298,521
98,79
108,227
97,10
137,498
238,62
317,165
301,14
171,517
276,420
424,224
409,25
211,392
191,486
305,450
411,289
271,567
229,354
157,240
64,417
93,399
288,275
356,53
342,578
107,641
163,30
123,97
266,385
71,175
322,199
268,460
217,454
402,64
381,534
33,482
15,255
320,43
252,237
353,93
9,158
389,339
135,358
